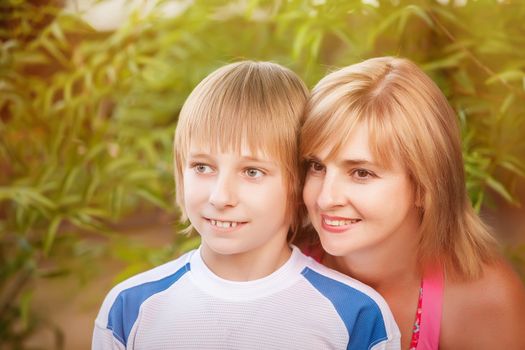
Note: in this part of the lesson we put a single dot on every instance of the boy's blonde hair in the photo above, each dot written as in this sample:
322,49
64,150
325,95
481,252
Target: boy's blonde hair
258,104
409,120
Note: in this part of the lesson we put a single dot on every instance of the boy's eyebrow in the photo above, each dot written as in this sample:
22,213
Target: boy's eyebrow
200,155
255,159
244,158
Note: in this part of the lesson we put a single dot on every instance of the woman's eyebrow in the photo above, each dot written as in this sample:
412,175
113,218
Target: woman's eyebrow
344,162
312,157
354,162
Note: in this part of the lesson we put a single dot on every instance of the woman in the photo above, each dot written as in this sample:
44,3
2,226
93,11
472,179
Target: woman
385,191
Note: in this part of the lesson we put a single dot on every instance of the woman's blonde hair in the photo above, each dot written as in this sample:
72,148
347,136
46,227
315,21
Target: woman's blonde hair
409,119
258,104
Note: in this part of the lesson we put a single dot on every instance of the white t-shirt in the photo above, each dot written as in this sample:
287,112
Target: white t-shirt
302,305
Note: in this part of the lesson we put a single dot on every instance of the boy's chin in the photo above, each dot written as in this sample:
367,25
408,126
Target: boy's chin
223,247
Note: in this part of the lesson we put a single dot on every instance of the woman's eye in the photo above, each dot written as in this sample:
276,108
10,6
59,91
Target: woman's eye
315,167
253,173
362,174
202,169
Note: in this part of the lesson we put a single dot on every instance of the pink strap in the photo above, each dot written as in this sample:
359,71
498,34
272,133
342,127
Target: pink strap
433,287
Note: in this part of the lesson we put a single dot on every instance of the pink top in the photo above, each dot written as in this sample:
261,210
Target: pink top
425,335
433,285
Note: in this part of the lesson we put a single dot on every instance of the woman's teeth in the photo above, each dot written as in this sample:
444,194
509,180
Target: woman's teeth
340,222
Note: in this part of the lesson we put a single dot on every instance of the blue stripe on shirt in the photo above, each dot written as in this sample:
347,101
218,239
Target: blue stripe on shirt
360,313
125,309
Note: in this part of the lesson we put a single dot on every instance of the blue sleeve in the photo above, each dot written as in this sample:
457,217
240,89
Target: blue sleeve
359,312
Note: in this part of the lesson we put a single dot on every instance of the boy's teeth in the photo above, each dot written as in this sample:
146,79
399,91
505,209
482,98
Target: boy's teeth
223,224
339,222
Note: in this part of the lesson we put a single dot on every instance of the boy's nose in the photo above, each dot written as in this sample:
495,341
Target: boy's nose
223,193
331,195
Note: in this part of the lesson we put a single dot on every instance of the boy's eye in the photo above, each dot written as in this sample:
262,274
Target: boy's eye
315,167
202,168
253,173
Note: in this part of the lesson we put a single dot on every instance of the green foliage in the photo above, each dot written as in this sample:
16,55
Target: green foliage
87,118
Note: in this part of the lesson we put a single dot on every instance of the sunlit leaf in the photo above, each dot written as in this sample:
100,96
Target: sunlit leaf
152,197
514,165
500,188
506,76
509,100
51,233
25,305
300,40
445,62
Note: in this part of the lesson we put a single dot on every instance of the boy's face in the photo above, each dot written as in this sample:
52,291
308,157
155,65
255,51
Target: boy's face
237,203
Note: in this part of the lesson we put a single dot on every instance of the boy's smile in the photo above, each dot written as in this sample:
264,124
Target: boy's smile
237,202
226,224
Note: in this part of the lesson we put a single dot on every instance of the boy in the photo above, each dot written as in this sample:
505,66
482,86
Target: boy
236,171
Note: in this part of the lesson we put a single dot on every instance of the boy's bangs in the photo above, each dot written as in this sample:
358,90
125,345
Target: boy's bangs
220,129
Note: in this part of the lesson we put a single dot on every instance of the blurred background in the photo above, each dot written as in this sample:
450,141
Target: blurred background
90,92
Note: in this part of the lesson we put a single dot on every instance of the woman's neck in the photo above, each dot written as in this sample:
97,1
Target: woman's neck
382,270
393,270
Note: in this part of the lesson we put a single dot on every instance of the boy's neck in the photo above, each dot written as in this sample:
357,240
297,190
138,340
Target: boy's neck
247,266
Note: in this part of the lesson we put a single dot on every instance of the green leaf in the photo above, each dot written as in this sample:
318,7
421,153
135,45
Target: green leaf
59,34
509,100
40,199
86,222
95,212
119,164
71,179
500,188
31,58
25,308
152,197
445,62
300,40
479,201
117,201
420,13
343,36
506,76
94,183
142,175
475,171
465,81
513,165
51,234
316,44
54,51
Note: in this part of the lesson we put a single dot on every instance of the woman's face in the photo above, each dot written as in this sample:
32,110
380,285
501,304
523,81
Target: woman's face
356,204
